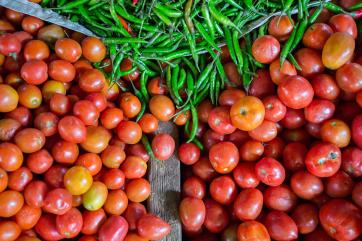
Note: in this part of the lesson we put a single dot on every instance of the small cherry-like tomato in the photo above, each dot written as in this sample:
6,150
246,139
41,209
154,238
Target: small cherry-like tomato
336,132
310,61
349,77
351,161
97,139
280,27
92,221
68,49
338,50
247,113
323,159
223,190
344,23
280,226
114,228
306,217
325,87
9,230
138,190
36,50
129,132
95,197
93,49
69,224
192,213
10,203
189,153
248,204
317,35
133,213
78,180
151,227
130,104
270,171
265,49
163,146
280,198
162,107
224,157
34,72
341,219
29,140
295,92
216,218
58,201
251,230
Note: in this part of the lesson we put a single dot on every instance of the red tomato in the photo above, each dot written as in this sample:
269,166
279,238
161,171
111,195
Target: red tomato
204,169
111,117
275,110
92,221
270,171
245,176
46,228
34,193
265,49
34,72
280,27
19,178
249,231
216,218
280,198
9,44
194,187
262,84
69,224
341,219
248,204
151,227
129,132
219,120
192,213
280,226
306,217
29,140
68,49
224,157
295,92
310,61
357,194
344,23
349,77
133,213
31,24
319,111
265,132
306,185
36,50
339,185
227,98
93,49
223,190
163,146
189,153
10,203
317,35
9,231
58,201
251,150
325,86
351,161
293,156
115,229
323,160
356,130
72,129
92,80
11,157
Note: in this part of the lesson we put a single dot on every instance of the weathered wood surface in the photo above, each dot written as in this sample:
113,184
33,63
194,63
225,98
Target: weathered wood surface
165,178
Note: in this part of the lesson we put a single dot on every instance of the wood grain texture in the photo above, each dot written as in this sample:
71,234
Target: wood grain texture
165,178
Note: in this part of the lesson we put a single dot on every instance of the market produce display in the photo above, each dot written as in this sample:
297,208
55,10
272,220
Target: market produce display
267,96
71,161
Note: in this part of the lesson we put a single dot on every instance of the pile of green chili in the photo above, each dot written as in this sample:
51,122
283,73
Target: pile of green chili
179,32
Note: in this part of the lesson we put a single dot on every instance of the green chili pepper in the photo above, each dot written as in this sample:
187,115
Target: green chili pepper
294,62
356,6
123,40
229,43
187,15
182,79
219,66
124,14
202,95
238,53
97,5
176,73
169,79
148,148
219,16
212,82
206,36
195,141
73,4
163,17
168,11
190,83
143,86
315,14
190,65
217,90
300,9
246,75
195,122
204,74
218,28
299,33
192,43
288,45
206,14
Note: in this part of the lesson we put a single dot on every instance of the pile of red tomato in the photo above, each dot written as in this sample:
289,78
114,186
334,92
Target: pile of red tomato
284,161
71,165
